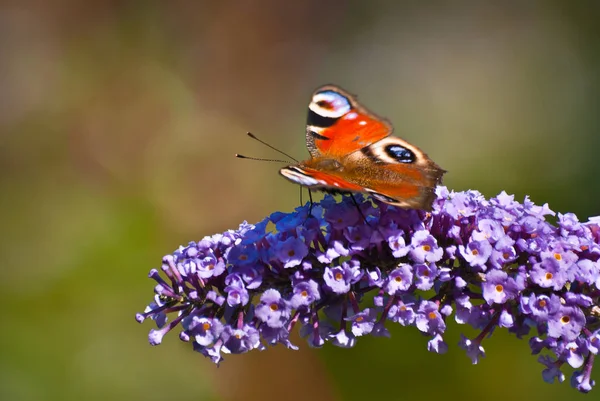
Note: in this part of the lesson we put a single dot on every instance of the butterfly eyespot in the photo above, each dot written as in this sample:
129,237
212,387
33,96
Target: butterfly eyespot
328,106
400,153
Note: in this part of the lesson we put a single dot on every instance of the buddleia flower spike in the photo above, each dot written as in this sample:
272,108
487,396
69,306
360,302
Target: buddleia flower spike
493,264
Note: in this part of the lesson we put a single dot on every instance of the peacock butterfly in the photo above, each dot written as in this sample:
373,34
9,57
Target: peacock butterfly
352,150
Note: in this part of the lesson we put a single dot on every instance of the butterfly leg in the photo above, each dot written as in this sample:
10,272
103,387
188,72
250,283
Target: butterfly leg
363,216
310,207
358,208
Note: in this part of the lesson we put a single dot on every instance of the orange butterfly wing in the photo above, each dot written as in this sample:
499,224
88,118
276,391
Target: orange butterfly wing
353,151
338,125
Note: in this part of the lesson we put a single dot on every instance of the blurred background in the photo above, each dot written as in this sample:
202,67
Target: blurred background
119,121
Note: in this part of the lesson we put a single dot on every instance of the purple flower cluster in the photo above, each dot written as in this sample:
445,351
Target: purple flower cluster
488,263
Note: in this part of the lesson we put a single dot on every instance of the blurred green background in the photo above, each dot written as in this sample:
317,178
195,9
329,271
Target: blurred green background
118,125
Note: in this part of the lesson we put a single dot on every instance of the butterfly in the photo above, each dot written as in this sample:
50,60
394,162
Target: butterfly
353,150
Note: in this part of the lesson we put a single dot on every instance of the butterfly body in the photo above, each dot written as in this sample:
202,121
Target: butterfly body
352,150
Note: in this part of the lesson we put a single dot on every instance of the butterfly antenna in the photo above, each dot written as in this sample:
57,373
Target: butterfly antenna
251,135
260,160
